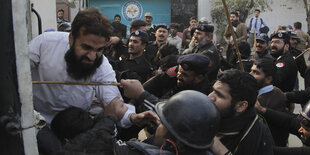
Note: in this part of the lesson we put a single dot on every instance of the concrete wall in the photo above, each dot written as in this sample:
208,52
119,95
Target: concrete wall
47,11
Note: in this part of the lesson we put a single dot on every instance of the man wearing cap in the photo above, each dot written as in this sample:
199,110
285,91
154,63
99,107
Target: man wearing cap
286,65
298,125
136,63
161,34
301,63
262,46
203,36
150,28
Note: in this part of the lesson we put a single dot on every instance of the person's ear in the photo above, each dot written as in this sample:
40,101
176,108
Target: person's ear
198,78
241,106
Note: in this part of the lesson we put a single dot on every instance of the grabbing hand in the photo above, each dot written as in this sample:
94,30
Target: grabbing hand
132,88
144,118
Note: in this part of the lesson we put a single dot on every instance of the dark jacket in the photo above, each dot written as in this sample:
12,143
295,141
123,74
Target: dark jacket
245,134
286,72
301,97
300,62
210,51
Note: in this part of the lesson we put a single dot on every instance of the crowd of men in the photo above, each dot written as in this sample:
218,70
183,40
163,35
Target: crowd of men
180,89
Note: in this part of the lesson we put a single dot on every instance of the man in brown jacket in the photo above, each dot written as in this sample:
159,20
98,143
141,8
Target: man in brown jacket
240,29
304,37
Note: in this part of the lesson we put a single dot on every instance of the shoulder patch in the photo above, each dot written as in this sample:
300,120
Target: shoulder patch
280,64
171,72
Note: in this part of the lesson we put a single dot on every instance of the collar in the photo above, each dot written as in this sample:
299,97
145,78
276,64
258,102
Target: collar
266,89
138,60
204,47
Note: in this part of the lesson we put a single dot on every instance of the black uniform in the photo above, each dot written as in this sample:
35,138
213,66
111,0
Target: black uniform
286,72
247,65
139,65
300,62
151,33
301,97
211,51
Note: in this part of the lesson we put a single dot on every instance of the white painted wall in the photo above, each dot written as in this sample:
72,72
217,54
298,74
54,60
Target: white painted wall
47,11
284,12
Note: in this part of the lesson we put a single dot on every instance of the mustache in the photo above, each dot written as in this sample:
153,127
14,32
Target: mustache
273,47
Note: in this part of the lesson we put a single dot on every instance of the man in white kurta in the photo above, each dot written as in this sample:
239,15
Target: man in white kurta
47,56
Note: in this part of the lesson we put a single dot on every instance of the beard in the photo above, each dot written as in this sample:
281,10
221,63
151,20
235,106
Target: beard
277,53
76,68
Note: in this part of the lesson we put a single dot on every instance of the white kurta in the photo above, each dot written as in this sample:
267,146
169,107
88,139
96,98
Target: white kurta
46,54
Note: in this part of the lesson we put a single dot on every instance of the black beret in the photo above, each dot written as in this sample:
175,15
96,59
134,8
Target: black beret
162,26
281,35
263,37
143,35
294,35
198,63
205,28
137,23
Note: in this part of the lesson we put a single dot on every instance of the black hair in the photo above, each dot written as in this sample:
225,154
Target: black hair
71,122
257,10
268,66
235,13
168,49
117,15
193,18
245,49
174,25
242,85
60,10
91,21
297,25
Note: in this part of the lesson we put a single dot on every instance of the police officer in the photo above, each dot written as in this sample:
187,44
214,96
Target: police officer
300,61
262,50
136,66
191,73
286,65
203,36
187,129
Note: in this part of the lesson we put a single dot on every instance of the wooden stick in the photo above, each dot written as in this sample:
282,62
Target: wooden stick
302,53
233,35
76,83
254,46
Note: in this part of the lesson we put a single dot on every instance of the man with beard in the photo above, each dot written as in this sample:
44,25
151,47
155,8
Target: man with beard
298,125
286,65
76,56
136,63
119,28
264,71
189,74
240,29
161,34
203,36
262,46
234,94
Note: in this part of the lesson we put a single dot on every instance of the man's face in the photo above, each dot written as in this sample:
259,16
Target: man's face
261,46
222,99
259,75
135,45
117,19
84,55
60,15
173,30
161,34
233,18
186,79
305,134
148,20
201,37
193,23
293,42
277,47
256,13
161,131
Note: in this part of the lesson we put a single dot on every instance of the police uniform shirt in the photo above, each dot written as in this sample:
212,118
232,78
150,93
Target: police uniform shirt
139,65
286,72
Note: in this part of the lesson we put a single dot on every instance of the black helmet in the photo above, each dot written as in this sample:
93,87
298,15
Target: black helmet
191,117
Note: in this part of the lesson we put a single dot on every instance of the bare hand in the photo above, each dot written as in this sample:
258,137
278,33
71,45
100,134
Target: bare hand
260,108
218,148
132,88
144,118
116,109
113,41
